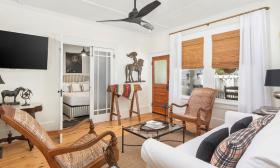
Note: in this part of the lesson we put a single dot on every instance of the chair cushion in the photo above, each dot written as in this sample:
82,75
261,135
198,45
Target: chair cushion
29,123
241,124
82,158
232,148
209,144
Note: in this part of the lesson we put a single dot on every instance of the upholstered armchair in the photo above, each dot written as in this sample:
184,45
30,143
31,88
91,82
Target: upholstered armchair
198,109
90,151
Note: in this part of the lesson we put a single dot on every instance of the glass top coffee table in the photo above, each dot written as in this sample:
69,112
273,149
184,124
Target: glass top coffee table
155,134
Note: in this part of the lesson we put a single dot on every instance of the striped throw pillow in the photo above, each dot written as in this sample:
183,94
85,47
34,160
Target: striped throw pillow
259,123
232,148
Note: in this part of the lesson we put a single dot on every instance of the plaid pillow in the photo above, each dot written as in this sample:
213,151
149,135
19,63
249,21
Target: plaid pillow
259,123
232,148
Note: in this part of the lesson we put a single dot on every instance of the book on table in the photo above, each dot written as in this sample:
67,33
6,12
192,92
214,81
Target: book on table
155,124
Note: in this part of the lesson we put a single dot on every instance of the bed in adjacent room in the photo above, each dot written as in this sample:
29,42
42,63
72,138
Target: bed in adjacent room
76,98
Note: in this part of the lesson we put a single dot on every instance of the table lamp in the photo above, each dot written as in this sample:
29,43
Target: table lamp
273,80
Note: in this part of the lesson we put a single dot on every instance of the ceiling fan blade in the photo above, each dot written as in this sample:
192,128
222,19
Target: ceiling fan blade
146,25
148,8
117,20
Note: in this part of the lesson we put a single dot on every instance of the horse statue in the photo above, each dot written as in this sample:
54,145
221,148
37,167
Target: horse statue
136,66
8,93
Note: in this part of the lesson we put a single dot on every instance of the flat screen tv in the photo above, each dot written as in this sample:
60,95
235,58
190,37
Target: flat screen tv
22,51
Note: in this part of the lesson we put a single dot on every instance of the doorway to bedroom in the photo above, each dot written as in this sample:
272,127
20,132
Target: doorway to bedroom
76,84
86,75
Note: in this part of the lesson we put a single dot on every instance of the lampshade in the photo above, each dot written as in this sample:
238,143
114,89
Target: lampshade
272,77
1,81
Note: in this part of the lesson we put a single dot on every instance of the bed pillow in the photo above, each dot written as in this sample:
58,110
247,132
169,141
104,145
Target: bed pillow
209,144
241,124
85,87
66,87
75,87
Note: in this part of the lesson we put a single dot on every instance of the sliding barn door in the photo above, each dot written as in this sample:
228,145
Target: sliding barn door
101,62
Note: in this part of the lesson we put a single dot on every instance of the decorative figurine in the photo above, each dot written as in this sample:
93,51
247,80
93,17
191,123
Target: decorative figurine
8,93
136,66
25,95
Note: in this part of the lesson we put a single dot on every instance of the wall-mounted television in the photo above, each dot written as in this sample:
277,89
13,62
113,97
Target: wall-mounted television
22,51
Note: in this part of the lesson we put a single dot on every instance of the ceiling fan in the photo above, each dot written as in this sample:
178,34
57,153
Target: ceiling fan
136,16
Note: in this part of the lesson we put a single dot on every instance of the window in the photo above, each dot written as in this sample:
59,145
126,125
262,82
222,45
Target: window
192,65
211,61
191,79
227,84
225,61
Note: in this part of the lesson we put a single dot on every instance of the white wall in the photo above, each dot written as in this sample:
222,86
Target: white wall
23,19
160,43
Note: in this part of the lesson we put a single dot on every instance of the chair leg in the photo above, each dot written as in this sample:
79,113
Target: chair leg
171,120
185,128
170,116
198,130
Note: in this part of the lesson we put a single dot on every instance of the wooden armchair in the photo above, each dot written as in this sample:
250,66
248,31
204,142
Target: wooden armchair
198,109
90,151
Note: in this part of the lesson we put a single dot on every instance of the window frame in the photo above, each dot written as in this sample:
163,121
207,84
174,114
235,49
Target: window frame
208,71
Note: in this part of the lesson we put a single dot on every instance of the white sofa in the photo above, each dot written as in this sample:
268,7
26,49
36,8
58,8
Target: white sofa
159,155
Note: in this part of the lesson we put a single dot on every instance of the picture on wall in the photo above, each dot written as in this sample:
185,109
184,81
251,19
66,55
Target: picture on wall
74,63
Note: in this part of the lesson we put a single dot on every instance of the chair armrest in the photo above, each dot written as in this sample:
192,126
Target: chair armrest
160,155
70,148
70,129
199,113
180,106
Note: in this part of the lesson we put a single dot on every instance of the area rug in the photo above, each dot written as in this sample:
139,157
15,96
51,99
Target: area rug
131,158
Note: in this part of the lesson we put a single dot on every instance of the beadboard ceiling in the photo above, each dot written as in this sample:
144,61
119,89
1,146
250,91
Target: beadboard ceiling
170,14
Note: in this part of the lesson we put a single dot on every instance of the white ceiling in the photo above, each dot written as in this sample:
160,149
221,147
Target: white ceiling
170,14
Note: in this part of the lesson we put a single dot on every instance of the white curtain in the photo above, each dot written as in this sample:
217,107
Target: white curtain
175,52
253,55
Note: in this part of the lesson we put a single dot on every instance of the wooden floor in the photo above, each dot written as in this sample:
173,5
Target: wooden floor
17,154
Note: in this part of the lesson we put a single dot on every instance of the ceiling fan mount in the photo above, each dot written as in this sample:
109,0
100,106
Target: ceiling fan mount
136,16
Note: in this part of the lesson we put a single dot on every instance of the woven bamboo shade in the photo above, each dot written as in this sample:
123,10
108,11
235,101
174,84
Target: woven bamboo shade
192,53
226,50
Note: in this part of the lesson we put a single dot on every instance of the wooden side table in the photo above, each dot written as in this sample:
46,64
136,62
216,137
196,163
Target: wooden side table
32,110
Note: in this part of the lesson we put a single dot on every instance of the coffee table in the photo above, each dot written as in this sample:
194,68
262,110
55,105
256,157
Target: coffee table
156,134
